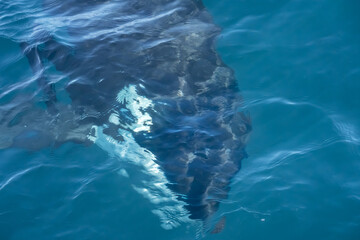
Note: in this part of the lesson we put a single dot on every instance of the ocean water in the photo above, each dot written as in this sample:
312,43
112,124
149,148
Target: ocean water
297,65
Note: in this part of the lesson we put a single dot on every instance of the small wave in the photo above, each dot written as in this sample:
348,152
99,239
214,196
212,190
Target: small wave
17,176
346,129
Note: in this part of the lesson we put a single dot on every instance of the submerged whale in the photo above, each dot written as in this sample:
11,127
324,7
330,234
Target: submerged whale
145,82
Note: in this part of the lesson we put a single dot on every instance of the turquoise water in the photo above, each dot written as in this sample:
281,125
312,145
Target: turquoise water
297,64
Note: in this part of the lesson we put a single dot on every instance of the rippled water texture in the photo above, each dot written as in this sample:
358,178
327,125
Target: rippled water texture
298,70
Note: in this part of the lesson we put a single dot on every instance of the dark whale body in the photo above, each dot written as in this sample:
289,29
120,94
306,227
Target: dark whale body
164,48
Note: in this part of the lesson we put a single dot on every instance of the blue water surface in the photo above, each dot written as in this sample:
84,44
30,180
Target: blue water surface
297,63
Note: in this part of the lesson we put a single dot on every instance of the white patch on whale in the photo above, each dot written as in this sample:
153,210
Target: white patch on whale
136,104
153,185
114,119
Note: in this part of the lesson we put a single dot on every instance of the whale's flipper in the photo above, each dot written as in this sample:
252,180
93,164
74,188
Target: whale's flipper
36,63
47,49
30,127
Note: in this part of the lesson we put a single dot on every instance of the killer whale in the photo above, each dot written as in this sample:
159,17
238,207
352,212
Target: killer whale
145,73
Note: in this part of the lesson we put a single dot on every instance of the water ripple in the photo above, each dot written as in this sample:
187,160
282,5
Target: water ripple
17,176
